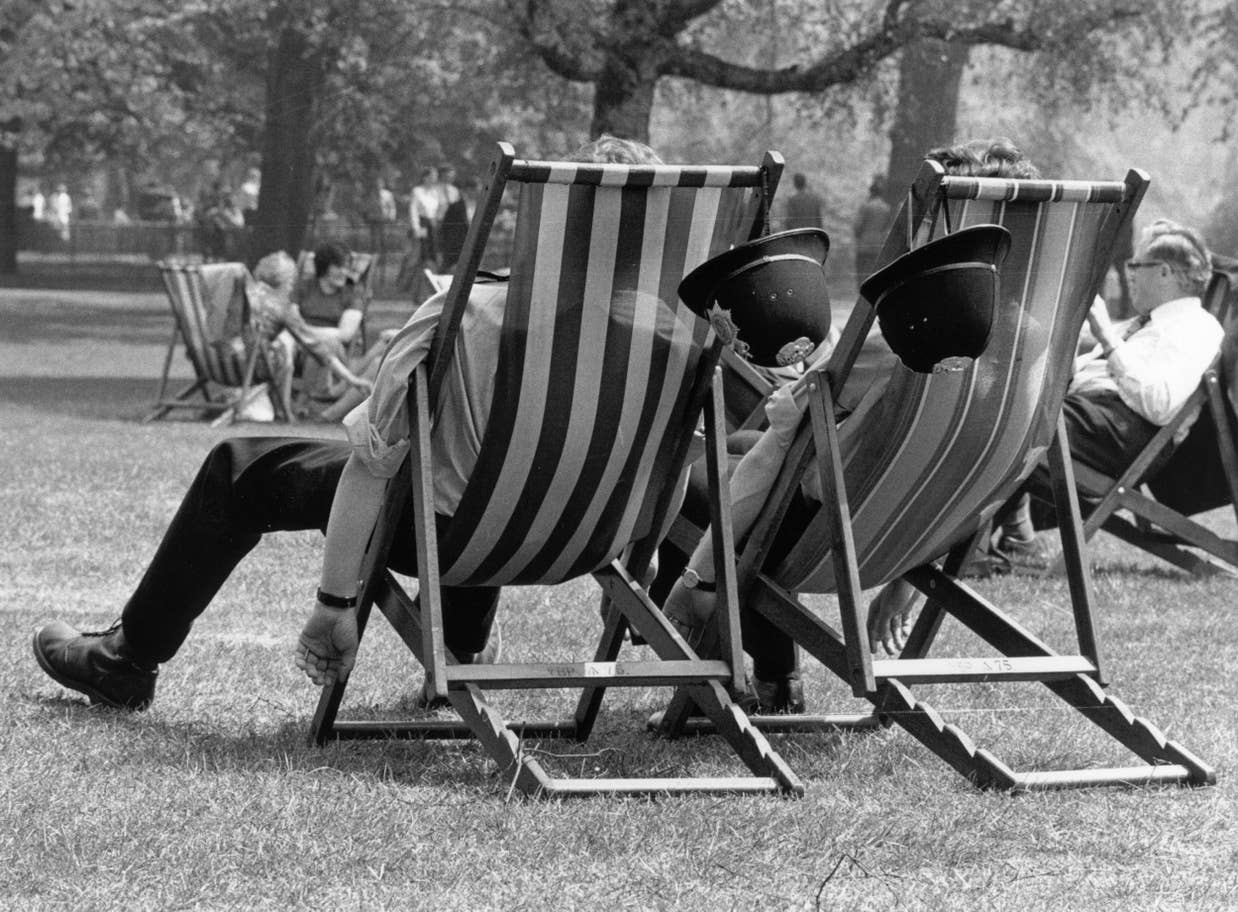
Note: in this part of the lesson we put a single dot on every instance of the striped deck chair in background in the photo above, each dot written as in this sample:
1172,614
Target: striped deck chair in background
211,307
1166,485
603,375
917,469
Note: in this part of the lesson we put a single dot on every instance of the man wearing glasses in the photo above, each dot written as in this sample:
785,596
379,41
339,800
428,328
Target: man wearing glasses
1139,376
1140,373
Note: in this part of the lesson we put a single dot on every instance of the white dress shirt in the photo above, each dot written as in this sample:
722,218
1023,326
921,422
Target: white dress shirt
1157,368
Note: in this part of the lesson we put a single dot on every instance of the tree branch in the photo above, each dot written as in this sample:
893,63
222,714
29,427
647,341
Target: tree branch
676,15
549,45
849,63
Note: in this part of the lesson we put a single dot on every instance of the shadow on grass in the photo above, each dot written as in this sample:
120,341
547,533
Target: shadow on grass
114,398
454,764
178,743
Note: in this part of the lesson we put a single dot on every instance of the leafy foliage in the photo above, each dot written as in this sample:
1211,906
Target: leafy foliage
824,48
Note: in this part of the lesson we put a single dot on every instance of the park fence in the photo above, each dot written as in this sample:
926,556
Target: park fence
103,242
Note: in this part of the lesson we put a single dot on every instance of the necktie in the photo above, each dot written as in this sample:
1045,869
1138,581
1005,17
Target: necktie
1135,325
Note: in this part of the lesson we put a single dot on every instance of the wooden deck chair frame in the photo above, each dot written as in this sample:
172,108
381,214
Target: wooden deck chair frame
1019,655
625,603
1158,525
215,373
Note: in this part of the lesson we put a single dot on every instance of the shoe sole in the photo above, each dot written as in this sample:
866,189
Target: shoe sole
94,695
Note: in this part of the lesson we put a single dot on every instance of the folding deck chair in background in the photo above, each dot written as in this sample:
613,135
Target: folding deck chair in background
210,304
1165,485
600,390
914,472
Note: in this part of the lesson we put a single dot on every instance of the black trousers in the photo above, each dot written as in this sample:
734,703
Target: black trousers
247,487
1104,433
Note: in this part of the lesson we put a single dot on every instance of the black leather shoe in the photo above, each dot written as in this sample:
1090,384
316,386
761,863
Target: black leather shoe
99,664
780,696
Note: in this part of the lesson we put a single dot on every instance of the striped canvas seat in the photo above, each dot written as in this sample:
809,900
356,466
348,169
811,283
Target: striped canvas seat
211,310
935,455
597,351
602,377
908,477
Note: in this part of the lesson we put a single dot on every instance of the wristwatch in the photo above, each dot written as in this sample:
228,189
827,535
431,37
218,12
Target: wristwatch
692,580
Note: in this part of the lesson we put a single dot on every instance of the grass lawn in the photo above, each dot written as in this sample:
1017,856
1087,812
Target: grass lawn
213,798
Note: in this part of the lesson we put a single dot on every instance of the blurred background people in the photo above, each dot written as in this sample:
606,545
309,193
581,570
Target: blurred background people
804,209
60,211
871,224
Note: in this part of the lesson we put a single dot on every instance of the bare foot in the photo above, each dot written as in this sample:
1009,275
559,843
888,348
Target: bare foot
890,616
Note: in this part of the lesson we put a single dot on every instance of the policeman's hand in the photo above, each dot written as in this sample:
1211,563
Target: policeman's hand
327,648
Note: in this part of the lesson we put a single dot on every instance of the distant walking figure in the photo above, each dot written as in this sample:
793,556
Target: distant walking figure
870,227
803,206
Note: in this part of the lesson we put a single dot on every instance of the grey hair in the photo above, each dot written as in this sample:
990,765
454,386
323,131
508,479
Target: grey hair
1180,247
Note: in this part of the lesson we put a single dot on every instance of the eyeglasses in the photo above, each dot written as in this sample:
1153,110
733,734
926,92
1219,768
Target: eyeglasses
1132,265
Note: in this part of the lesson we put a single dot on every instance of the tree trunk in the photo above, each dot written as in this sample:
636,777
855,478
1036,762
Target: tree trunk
623,97
8,210
929,74
296,73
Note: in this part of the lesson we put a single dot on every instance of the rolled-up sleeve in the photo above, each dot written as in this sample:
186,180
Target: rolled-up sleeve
378,428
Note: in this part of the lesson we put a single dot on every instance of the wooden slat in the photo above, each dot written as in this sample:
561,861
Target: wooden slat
755,785
998,668
429,729
783,724
582,674
1120,775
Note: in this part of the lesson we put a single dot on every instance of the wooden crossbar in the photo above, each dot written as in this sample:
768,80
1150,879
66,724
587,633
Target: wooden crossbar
998,668
1170,774
443,729
588,674
569,788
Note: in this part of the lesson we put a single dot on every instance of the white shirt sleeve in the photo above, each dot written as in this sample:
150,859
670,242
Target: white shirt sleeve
1158,368
378,428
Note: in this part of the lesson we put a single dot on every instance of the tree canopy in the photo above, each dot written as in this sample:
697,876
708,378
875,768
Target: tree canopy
624,47
345,88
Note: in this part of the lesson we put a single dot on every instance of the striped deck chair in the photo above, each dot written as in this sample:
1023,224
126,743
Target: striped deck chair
210,305
917,469
1166,485
603,377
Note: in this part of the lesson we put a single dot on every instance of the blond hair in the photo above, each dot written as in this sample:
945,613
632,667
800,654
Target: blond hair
277,270
607,149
